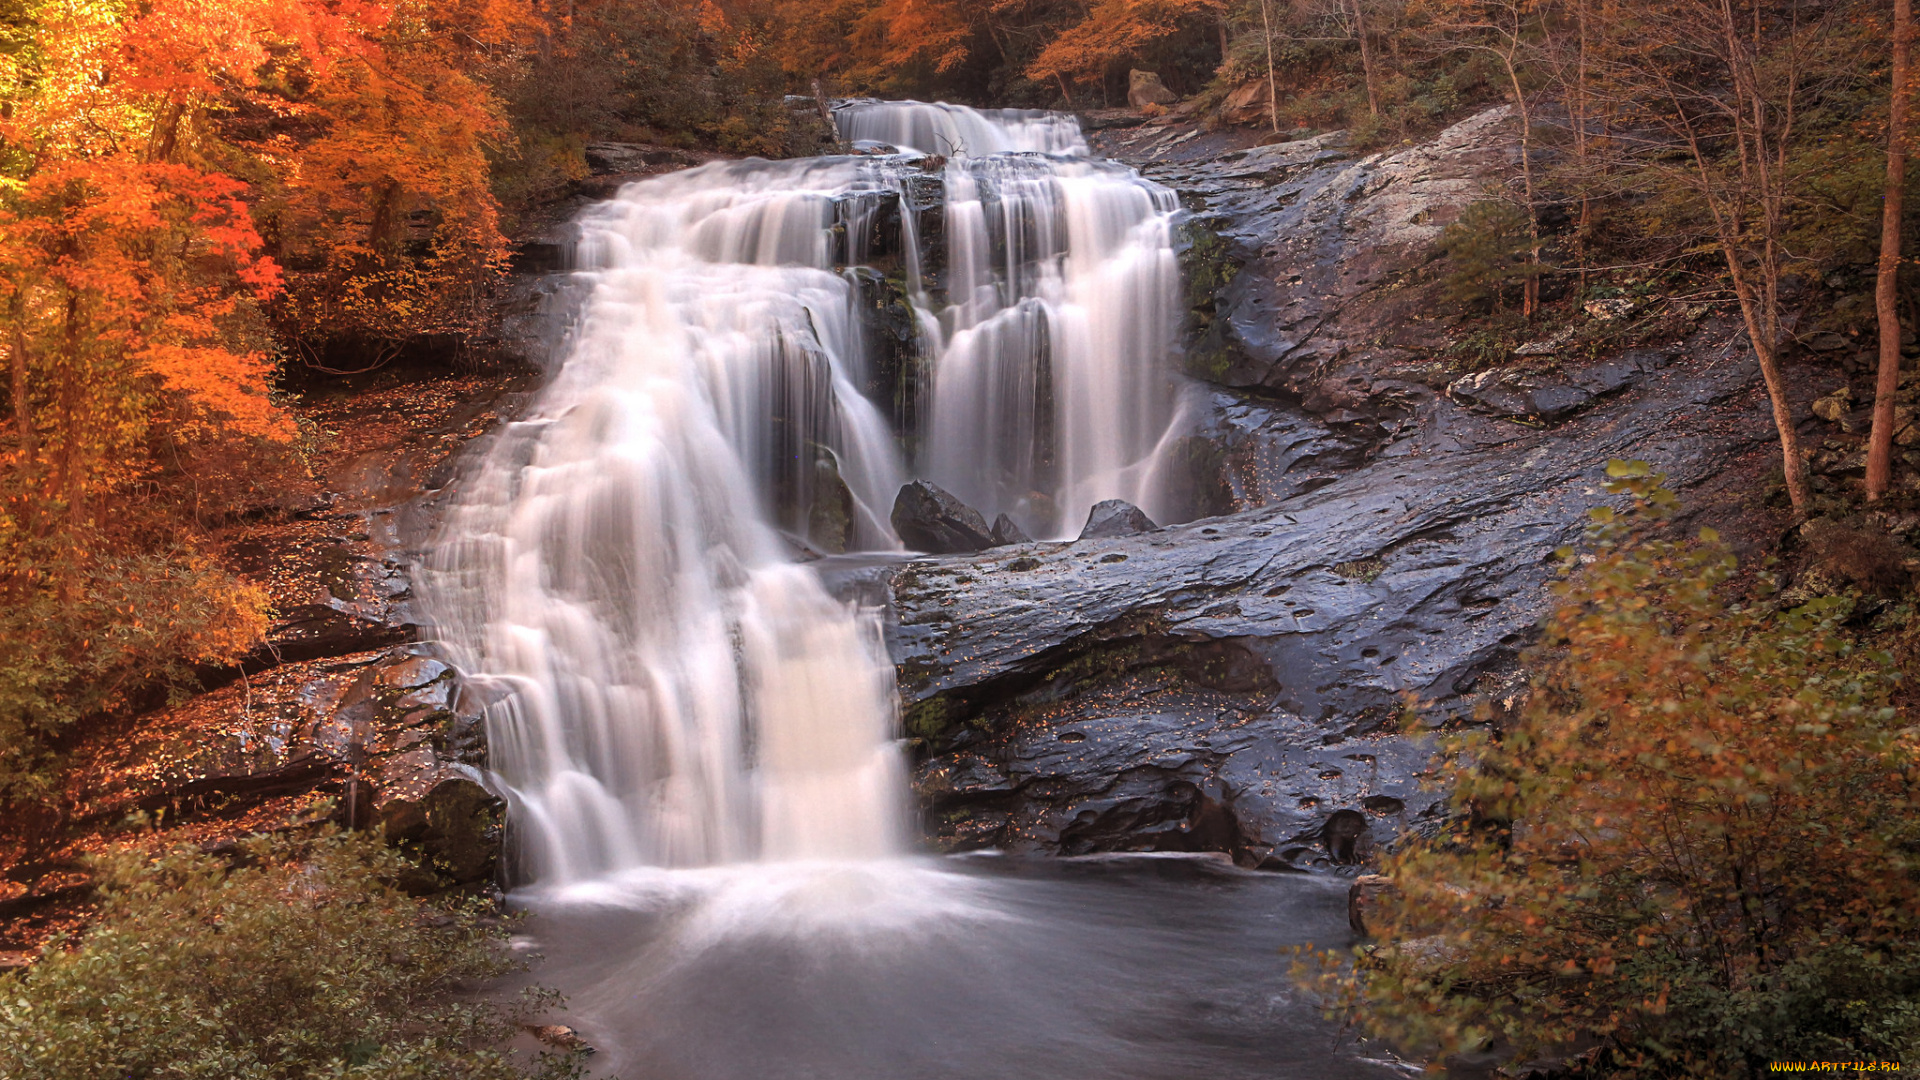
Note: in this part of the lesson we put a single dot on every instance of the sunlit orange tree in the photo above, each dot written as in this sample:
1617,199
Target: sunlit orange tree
131,282
1690,852
370,127
1114,31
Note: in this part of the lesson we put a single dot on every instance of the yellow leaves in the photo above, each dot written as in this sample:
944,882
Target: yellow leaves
1689,781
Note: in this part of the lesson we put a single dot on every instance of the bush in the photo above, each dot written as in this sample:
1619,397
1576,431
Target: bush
1691,850
306,963
1486,250
82,634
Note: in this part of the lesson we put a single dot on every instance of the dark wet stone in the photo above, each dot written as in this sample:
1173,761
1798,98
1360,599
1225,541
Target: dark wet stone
1007,531
1234,684
1115,517
446,820
929,519
611,158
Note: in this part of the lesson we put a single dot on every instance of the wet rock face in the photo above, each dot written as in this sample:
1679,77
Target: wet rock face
389,736
931,520
1553,395
1294,248
1236,683
338,718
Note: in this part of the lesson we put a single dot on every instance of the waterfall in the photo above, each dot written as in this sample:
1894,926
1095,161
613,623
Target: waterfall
678,691
957,131
672,688
1053,313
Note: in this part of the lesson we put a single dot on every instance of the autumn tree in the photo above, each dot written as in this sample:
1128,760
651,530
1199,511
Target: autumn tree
1689,852
133,279
1116,30
1721,90
879,45
384,213
1887,285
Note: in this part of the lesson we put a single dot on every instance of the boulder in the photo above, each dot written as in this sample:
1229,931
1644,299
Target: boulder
1008,531
1611,309
931,520
448,822
1248,104
560,1037
1144,88
1115,517
1834,407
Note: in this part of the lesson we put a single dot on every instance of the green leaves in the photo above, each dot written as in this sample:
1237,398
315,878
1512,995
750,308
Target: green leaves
306,963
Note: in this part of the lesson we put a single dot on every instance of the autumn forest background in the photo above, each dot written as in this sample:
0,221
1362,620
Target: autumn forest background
212,211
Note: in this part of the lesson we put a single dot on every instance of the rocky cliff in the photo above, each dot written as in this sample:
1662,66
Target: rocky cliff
1384,521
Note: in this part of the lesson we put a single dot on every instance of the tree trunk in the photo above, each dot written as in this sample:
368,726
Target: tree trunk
1762,326
1273,92
1886,290
1579,110
1530,302
29,444
1366,58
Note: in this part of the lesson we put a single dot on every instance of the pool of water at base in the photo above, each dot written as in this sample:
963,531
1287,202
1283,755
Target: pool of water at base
975,967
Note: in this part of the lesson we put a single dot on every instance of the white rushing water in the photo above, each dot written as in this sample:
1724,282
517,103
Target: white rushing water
675,690
955,130
1050,386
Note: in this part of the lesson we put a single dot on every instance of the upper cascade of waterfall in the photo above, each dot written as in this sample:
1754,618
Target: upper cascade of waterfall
957,131
764,353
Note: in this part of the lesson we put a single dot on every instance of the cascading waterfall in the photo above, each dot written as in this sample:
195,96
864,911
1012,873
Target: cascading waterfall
1051,319
675,690
1050,388
679,692
957,131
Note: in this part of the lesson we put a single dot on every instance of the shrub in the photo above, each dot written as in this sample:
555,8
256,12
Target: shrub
1692,849
306,963
82,634
1486,250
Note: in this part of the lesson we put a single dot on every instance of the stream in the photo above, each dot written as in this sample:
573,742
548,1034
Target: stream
699,741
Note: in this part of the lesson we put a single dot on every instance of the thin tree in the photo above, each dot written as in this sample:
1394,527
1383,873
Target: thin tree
1273,91
1501,29
1726,82
1885,294
1366,56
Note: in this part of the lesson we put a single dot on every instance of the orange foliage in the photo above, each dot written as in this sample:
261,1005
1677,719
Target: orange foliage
899,44
147,150
126,259
875,43
1114,30
383,205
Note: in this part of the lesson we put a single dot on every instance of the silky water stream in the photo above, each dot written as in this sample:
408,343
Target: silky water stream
708,806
